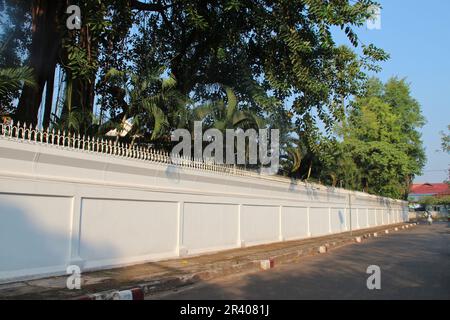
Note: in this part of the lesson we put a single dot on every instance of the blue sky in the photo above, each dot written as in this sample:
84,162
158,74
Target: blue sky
417,36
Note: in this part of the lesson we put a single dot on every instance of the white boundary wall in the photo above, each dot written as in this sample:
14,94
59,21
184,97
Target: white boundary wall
60,207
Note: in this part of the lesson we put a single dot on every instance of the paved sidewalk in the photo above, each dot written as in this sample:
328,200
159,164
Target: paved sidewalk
154,277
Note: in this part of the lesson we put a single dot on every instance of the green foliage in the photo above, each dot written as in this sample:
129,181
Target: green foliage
12,79
269,52
79,65
73,120
220,115
14,42
445,140
381,137
434,201
148,100
295,157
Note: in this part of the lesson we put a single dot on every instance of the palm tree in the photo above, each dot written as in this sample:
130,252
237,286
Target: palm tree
295,152
222,116
149,102
12,79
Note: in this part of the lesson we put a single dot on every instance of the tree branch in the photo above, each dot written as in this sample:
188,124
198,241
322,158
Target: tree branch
137,5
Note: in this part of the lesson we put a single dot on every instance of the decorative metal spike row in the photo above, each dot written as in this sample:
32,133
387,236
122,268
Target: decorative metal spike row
75,141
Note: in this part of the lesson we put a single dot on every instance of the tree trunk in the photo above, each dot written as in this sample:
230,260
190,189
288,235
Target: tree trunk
49,98
84,88
46,41
309,170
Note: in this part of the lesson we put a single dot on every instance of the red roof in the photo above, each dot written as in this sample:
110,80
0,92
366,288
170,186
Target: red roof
430,188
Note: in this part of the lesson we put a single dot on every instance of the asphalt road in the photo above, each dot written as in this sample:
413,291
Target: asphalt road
414,264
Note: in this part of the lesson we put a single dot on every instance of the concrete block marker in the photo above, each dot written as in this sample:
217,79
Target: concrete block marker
267,264
322,249
395,229
131,294
358,239
375,234
386,231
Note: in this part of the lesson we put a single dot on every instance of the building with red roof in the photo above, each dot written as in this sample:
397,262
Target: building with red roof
418,191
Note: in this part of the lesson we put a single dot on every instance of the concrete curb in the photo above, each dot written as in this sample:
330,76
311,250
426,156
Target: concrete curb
267,264
157,286
130,294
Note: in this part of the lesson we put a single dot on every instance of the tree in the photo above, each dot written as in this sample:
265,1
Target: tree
43,52
293,155
435,201
445,140
13,48
284,47
220,115
266,50
381,136
149,101
397,94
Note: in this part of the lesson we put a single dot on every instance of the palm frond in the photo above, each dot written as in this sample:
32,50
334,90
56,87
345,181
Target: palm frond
169,83
221,125
231,102
11,79
159,117
238,118
115,74
201,112
295,154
